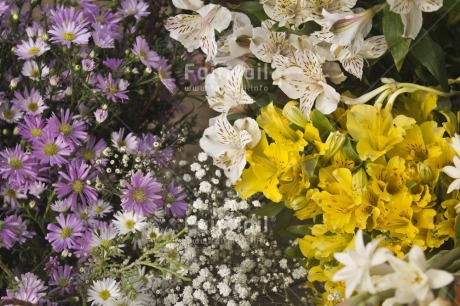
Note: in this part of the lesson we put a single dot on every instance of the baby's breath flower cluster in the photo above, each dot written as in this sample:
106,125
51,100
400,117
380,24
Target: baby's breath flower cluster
231,254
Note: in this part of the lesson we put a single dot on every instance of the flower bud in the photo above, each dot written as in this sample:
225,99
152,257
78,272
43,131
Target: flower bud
292,112
425,173
359,180
334,143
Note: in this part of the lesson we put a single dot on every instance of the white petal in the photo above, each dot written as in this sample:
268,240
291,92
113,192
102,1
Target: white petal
374,47
283,62
428,5
308,99
310,63
333,72
452,172
328,100
208,44
439,278
354,65
345,259
400,6
417,257
192,5
291,81
235,80
412,22
251,126
455,185
216,16
225,132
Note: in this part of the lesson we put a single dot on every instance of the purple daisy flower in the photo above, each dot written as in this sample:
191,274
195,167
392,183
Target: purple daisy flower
173,201
29,288
135,8
164,72
17,167
51,150
101,18
103,37
14,230
67,127
113,63
75,185
29,49
128,144
112,89
140,195
148,57
32,127
91,151
31,102
62,278
67,33
65,14
63,237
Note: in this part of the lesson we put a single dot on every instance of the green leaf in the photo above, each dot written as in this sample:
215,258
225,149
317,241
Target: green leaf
393,30
269,210
254,8
300,230
350,152
293,252
323,124
429,54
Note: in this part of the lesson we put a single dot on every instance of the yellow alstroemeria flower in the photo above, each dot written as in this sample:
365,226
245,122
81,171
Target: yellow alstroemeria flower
375,130
268,165
418,105
323,247
277,126
338,200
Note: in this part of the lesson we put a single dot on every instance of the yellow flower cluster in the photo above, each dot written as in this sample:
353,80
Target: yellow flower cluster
370,168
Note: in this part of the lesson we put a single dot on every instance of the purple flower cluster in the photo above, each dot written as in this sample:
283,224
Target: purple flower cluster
74,176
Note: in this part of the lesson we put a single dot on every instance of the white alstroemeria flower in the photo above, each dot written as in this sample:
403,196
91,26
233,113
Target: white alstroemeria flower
227,144
192,5
286,11
347,29
197,31
232,48
301,77
315,8
356,272
411,13
372,47
224,89
265,43
453,172
411,279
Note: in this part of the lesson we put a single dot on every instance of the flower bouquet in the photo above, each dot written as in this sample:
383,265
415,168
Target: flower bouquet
343,115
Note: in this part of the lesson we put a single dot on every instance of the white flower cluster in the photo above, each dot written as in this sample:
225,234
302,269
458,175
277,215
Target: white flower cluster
373,270
231,255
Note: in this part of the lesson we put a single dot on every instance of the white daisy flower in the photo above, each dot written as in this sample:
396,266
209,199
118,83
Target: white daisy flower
104,292
31,48
128,222
31,70
10,112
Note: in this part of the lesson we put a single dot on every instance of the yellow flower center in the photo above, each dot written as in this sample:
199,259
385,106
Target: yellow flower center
97,209
104,294
35,73
88,154
8,114
33,51
112,89
63,283
142,54
32,106
36,132
130,224
10,193
66,129
16,163
69,36
66,232
169,198
139,195
105,243
78,186
50,149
